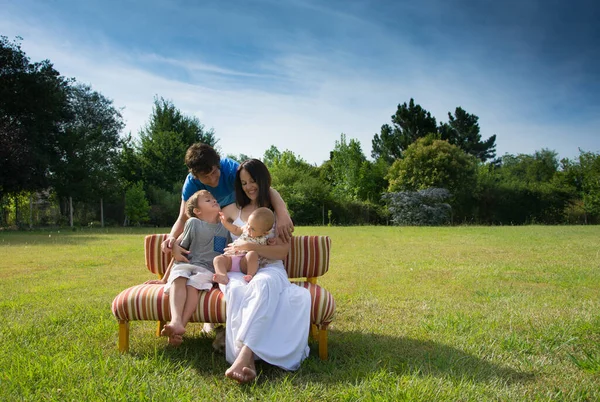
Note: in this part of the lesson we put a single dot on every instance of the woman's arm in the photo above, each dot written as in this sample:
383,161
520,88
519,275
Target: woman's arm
278,251
285,226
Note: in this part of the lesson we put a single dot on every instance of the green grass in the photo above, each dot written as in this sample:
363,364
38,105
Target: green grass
458,313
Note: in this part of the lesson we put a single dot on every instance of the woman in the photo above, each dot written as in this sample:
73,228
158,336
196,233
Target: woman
268,318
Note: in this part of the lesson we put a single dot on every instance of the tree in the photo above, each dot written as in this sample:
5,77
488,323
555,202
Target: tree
462,130
410,123
299,184
136,204
33,106
541,167
88,147
164,141
431,162
346,161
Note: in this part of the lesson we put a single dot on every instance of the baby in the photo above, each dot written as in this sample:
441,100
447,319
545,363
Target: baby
260,223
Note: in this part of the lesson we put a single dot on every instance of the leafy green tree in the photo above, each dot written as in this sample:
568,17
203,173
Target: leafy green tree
463,131
136,204
541,167
346,161
299,184
88,147
164,141
239,158
431,162
409,123
587,177
33,106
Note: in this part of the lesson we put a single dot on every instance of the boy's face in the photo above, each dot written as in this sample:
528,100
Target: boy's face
211,178
206,207
256,228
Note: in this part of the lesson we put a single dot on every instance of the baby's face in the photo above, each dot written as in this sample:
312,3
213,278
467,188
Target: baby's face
256,228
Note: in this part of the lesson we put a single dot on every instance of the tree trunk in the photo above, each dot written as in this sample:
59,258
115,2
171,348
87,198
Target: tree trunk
71,211
101,212
31,212
16,211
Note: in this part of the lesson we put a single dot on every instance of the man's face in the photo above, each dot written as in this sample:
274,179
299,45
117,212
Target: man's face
210,179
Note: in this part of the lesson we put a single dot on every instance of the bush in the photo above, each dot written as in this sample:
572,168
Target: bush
421,208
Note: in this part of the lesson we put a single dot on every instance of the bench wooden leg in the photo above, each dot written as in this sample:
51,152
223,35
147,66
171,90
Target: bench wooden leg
323,343
314,332
159,327
123,336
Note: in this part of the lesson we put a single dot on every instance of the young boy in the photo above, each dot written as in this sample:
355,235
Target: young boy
205,238
260,223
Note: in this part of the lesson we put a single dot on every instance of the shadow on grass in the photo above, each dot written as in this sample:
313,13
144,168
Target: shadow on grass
354,356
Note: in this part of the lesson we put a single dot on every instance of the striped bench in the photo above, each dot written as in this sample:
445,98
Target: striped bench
307,260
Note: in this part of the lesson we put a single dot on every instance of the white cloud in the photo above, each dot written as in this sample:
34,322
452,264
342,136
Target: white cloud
309,98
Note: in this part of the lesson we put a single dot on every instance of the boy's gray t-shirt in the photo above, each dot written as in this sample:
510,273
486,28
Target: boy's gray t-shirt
205,241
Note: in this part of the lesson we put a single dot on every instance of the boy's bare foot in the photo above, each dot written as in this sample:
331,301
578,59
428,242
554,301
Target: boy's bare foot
220,278
175,340
246,375
173,329
248,278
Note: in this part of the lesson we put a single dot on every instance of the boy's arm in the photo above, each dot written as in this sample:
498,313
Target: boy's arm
236,230
285,226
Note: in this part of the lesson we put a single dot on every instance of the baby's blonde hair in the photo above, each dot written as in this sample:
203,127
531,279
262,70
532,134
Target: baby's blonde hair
192,202
265,216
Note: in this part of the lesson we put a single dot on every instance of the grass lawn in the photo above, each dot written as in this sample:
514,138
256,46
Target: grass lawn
457,313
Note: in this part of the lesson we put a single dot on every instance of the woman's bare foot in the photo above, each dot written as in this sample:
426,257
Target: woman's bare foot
220,278
244,376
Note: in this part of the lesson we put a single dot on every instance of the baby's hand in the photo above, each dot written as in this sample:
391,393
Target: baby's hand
222,217
271,241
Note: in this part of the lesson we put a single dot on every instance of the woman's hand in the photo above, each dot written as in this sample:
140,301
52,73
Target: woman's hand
239,246
179,253
285,227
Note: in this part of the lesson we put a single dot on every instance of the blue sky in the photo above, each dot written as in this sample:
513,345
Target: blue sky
298,73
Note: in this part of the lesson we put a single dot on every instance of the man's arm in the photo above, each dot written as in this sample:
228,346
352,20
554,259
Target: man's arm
285,226
176,230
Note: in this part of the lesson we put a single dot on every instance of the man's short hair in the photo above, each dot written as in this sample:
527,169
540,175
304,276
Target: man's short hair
201,159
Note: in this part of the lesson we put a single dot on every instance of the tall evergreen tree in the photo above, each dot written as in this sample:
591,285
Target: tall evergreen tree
463,131
164,141
409,123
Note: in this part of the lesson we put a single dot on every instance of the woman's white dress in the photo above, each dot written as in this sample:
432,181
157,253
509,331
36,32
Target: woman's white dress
269,315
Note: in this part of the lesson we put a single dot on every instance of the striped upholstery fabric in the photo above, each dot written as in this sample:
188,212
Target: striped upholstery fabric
148,302
156,261
308,256
323,305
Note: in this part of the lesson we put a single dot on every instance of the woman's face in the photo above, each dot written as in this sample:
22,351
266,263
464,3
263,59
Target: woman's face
248,185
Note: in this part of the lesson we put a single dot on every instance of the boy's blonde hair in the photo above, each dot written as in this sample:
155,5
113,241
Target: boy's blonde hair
192,202
265,216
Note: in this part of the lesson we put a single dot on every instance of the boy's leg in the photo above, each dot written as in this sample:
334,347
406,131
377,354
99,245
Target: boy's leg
191,304
249,265
177,299
222,265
